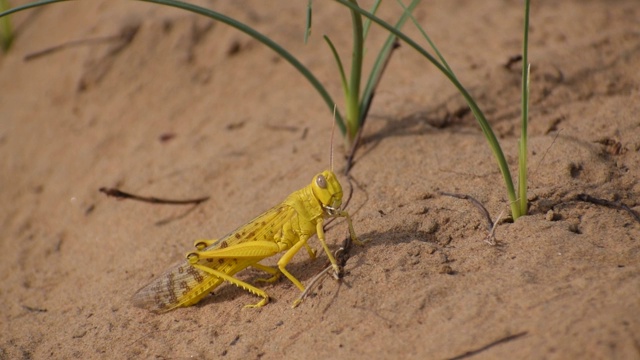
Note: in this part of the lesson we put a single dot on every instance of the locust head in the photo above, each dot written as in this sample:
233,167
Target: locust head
328,191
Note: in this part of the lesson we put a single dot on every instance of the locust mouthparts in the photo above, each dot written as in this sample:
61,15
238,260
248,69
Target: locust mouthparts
330,210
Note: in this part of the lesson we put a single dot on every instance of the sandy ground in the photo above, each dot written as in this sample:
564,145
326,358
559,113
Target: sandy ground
162,102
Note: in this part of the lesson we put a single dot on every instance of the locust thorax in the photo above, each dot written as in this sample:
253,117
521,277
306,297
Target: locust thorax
327,190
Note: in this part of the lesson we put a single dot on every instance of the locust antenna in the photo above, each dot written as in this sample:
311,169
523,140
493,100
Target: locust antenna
333,130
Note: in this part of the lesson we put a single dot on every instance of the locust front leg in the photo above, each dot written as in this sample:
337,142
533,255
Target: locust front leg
334,263
352,234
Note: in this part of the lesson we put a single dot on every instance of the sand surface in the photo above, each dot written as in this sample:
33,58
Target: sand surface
161,102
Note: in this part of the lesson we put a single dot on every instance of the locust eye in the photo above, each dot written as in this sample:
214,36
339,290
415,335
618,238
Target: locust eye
321,181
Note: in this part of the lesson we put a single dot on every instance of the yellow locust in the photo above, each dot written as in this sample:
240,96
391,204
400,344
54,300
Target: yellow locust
283,228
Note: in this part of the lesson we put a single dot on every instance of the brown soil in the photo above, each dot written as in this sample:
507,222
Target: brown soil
171,104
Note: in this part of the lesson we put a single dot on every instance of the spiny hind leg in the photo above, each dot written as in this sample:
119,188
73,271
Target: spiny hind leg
239,283
257,250
275,273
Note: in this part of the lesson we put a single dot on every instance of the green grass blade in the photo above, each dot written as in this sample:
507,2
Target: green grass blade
28,6
343,77
380,63
307,30
353,97
522,156
431,43
521,200
238,25
6,32
484,125
367,23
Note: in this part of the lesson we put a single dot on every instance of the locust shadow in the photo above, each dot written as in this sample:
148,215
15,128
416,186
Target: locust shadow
304,269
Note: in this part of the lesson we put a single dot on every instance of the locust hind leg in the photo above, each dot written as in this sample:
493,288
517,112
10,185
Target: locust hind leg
256,250
275,273
239,283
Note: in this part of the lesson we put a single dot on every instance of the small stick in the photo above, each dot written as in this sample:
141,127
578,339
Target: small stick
513,59
488,346
610,204
125,35
491,237
150,199
72,43
34,309
477,204
312,284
